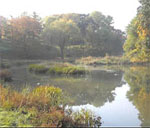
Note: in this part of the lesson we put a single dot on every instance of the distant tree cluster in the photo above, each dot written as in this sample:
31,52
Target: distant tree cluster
137,45
71,35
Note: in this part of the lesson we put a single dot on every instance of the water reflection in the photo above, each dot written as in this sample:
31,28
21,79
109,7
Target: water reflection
102,91
96,88
120,112
138,79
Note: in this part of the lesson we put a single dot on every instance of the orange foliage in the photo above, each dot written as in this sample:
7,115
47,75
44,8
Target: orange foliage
37,102
24,27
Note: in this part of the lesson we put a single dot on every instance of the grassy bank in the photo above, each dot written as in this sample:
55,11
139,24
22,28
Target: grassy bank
58,69
108,60
42,106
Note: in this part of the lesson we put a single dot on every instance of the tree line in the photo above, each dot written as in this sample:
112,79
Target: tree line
63,35
137,45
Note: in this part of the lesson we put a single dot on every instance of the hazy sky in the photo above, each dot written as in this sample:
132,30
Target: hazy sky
121,10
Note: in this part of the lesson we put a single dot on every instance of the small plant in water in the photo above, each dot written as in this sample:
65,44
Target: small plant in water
83,118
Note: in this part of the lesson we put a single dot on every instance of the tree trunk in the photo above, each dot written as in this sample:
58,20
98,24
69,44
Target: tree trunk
62,52
62,47
25,47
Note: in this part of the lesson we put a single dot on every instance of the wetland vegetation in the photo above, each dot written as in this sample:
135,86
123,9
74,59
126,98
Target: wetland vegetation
57,69
74,70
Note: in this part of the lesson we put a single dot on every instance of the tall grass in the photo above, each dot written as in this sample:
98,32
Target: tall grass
42,106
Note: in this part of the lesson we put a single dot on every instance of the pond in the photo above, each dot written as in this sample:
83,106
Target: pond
120,96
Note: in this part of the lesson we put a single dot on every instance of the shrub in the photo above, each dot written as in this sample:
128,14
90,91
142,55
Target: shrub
42,97
86,118
43,106
5,75
52,96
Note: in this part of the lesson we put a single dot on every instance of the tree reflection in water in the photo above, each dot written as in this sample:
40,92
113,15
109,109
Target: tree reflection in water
138,79
96,88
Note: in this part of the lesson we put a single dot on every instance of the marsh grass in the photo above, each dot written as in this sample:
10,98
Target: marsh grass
67,70
58,69
43,106
41,69
107,60
14,118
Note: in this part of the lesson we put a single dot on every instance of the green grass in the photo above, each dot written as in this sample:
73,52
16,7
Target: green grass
14,119
58,69
71,70
41,69
43,106
37,107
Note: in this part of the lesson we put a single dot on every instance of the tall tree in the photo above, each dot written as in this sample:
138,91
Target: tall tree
102,36
60,32
137,46
24,29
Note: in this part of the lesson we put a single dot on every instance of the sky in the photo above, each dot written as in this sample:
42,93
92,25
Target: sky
122,11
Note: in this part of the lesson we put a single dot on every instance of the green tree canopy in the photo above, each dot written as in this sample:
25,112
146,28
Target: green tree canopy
137,46
60,32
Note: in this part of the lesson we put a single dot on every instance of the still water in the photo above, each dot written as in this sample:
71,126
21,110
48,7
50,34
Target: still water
121,97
